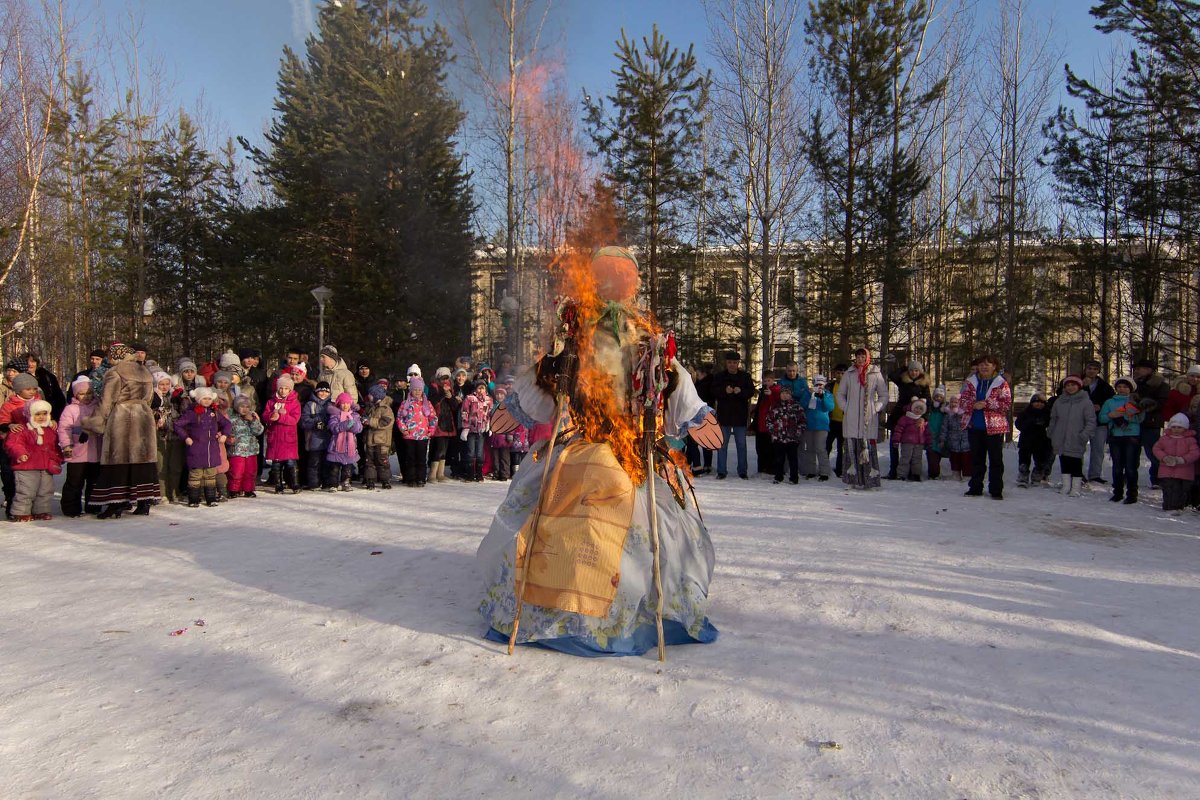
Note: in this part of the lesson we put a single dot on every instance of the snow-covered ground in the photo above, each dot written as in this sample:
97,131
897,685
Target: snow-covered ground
1042,647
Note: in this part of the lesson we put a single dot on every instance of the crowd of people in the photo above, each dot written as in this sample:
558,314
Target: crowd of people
129,434
797,423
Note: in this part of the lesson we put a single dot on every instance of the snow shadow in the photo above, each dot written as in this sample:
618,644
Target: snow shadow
975,632
365,559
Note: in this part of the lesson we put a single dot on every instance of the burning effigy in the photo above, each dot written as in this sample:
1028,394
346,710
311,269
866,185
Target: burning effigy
599,547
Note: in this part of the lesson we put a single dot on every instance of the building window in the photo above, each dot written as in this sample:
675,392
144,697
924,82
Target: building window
1079,279
725,288
781,359
499,288
785,293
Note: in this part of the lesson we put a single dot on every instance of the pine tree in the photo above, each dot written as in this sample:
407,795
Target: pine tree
182,224
374,200
648,140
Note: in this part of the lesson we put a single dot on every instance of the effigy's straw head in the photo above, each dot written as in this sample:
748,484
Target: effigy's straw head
616,273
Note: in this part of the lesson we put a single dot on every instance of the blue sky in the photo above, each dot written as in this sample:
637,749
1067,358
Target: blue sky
227,51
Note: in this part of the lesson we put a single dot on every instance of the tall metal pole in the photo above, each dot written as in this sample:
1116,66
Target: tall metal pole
321,328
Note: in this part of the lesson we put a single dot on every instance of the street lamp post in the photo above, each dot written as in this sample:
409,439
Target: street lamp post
322,293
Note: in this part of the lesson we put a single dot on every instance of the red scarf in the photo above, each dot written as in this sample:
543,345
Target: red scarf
862,371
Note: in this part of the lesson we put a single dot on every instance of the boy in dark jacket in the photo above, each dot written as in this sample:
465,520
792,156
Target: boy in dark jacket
1034,445
785,422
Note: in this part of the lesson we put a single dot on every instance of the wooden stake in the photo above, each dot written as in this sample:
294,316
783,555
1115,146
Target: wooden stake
658,604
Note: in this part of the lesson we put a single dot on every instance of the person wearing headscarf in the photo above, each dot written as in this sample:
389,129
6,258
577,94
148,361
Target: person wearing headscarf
862,394
128,472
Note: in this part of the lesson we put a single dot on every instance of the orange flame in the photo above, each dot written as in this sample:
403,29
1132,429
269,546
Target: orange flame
600,407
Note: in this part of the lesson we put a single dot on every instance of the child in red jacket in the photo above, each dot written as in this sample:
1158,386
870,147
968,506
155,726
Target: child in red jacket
33,451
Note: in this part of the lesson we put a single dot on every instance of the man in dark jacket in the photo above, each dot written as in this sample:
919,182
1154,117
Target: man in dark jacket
733,391
912,384
1099,391
52,392
1152,390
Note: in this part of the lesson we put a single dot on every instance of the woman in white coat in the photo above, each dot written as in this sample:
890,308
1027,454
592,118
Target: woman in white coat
862,394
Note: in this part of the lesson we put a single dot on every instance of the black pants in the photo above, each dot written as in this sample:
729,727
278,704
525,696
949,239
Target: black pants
316,472
1042,456
416,461
77,489
1126,453
987,457
789,452
1071,465
378,468
501,464
438,446
1175,493
764,448
835,435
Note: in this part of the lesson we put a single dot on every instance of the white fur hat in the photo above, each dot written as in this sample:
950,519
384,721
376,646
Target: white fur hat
414,370
1179,420
200,392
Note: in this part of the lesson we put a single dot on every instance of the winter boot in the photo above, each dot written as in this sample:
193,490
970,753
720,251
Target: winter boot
193,497
276,478
143,509
346,487
439,471
292,473
1131,497
369,486
210,496
1068,486
1023,478
477,470
385,485
1077,485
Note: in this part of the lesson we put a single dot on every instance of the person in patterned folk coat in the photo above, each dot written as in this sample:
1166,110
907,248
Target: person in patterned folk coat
986,399
786,423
